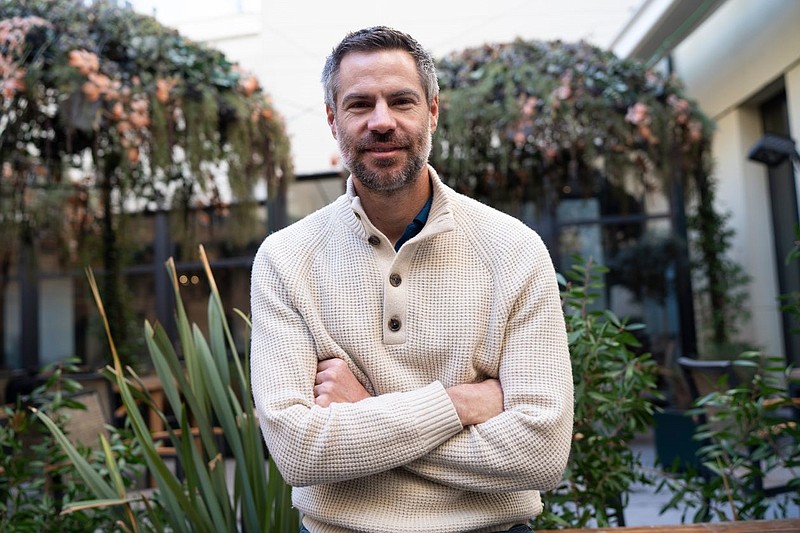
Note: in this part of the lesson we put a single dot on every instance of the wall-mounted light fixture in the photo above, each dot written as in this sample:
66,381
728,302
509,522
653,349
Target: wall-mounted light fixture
772,150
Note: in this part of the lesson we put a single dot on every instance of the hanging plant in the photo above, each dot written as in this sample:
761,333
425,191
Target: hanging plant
118,113
529,121
511,113
154,111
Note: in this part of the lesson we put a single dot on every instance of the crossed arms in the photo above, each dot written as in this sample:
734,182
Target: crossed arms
474,402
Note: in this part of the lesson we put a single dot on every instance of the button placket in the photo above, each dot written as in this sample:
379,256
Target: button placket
394,322
395,296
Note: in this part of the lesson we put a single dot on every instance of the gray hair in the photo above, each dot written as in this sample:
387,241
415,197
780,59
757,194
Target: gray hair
375,39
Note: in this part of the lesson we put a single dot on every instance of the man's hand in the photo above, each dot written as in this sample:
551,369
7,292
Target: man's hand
335,383
477,402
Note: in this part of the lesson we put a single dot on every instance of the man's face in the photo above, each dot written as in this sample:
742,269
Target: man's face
382,120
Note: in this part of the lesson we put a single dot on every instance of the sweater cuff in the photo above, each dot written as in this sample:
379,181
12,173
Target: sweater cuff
435,415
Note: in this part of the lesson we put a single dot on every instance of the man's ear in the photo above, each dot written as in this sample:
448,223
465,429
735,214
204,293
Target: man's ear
331,120
434,113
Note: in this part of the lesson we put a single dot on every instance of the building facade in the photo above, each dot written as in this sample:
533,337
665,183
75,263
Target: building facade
740,60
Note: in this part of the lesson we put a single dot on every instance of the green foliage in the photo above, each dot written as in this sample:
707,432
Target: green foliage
640,266
614,389
36,480
208,392
746,436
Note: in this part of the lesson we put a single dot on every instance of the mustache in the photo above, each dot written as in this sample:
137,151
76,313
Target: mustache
373,138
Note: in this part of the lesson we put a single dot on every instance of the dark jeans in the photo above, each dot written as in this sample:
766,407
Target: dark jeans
519,528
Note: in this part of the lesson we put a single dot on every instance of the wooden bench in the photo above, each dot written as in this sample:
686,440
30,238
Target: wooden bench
791,525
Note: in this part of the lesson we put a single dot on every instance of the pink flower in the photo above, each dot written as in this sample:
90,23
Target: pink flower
163,88
695,131
637,114
86,62
13,83
529,107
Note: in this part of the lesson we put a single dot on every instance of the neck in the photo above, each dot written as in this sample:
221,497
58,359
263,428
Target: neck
392,212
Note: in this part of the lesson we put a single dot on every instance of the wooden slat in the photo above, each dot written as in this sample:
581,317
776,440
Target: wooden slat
747,526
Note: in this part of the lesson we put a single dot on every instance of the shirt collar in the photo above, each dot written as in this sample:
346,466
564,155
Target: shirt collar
416,225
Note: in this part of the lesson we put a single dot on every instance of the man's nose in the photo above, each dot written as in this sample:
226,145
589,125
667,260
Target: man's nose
381,119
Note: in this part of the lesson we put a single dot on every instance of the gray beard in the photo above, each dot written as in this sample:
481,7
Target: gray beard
387,182
378,181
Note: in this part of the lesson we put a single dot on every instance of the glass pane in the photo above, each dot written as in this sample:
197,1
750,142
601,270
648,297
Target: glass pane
91,345
233,284
56,320
225,233
579,239
640,283
12,326
630,196
306,196
575,209
139,237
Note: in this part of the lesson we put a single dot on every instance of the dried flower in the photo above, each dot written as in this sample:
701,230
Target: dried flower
163,88
12,83
117,111
86,62
133,154
139,120
91,91
695,131
638,114
519,139
249,85
529,106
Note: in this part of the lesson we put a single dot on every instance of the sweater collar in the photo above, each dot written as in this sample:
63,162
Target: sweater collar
440,218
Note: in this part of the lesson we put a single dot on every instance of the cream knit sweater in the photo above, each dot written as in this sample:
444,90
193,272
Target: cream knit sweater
472,296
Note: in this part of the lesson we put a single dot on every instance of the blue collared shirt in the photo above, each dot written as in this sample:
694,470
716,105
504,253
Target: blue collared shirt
416,225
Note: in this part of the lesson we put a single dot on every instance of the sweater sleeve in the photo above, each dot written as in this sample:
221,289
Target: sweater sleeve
312,445
527,446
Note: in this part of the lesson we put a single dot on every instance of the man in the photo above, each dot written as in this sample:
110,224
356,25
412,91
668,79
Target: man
409,358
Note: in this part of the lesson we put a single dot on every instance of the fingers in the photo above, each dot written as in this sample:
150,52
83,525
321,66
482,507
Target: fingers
329,369
321,396
335,382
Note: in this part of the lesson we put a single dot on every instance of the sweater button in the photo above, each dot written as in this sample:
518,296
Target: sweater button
374,240
395,280
394,324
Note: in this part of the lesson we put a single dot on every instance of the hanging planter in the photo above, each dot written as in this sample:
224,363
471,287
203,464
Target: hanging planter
534,122
514,115
118,113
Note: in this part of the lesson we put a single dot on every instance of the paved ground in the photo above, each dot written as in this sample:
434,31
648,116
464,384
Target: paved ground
645,504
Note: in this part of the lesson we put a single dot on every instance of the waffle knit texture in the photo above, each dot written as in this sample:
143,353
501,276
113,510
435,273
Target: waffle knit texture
473,296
